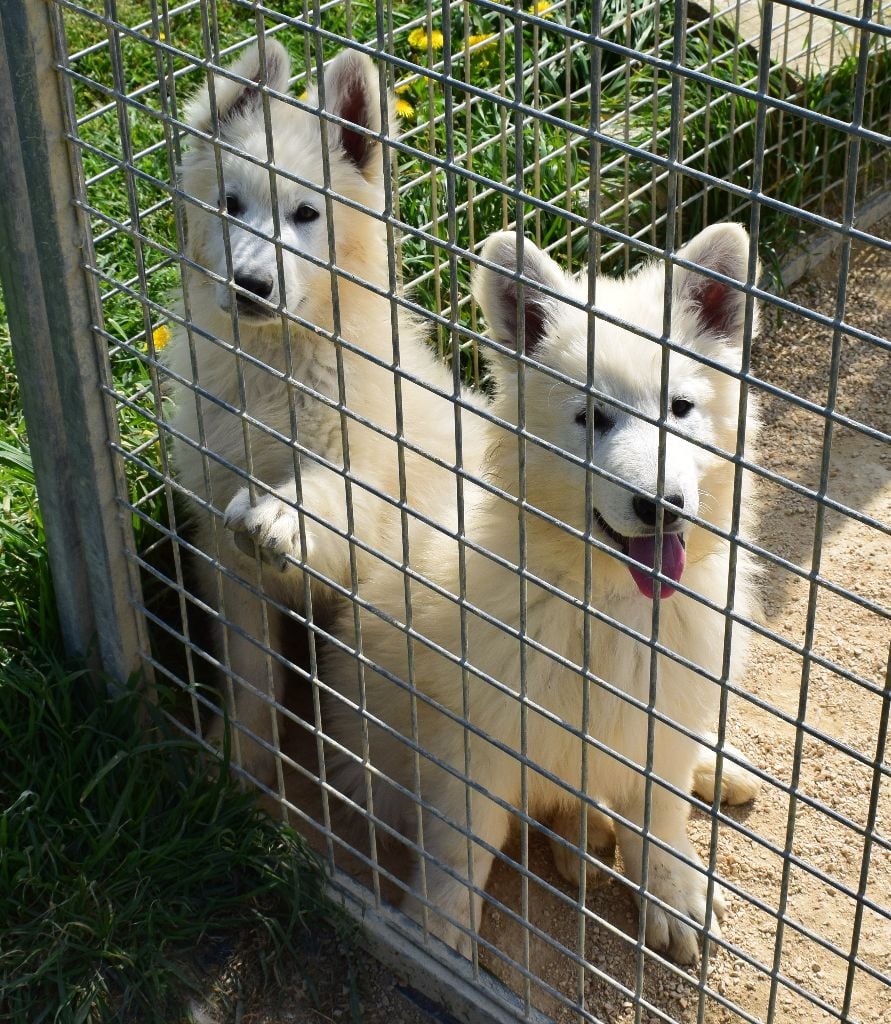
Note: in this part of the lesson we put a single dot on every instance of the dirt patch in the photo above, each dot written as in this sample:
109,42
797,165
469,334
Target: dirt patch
808,879
331,981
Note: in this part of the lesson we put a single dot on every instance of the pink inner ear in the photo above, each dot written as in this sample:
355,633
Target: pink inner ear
535,325
714,307
353,107
244,103
250,98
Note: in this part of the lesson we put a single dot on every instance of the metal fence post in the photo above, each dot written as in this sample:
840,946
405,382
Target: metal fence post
60,367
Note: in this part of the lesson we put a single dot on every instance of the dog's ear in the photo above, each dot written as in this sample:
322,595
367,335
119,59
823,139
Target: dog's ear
352,92
705,310
497,292
236,99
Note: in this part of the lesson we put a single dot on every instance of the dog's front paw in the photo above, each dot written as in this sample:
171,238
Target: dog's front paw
448,919
601,841
684,888
738,784
270,526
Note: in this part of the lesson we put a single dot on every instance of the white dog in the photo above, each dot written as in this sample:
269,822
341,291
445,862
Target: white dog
465,705
257,382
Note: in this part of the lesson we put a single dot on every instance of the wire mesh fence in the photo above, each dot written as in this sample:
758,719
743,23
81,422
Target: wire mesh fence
487,571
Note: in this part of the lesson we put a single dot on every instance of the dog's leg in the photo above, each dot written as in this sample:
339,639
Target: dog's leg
438,880
454,913
257,677
738,784
601,841
675,875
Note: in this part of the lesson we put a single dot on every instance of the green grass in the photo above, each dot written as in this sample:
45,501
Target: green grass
121,856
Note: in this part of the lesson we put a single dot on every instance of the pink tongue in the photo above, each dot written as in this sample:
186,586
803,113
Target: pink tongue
643,550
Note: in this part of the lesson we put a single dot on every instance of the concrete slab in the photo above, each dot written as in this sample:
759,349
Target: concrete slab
806,42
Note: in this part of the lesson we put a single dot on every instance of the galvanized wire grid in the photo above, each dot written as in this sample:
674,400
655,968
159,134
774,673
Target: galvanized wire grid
131,139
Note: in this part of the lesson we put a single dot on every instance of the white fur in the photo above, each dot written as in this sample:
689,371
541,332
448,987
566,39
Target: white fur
245,348
707,319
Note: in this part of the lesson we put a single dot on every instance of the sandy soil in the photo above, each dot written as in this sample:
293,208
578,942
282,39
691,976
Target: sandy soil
834,777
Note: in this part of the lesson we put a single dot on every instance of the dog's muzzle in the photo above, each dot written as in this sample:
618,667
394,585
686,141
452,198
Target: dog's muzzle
643,550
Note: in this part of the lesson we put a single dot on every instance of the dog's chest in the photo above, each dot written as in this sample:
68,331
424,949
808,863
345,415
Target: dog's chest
295,402
615,645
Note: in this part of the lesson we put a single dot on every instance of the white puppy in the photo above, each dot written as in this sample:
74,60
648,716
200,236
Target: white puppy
466,706
259,382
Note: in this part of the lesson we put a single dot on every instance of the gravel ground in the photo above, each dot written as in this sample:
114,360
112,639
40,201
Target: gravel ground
834,786
330,980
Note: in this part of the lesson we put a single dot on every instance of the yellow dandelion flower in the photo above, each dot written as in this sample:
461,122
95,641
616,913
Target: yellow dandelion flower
304,96
161,337
542,9
404,88
487,40
404,108
420,40
162,37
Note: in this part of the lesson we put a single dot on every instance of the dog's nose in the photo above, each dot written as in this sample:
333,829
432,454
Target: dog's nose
255,284
648,510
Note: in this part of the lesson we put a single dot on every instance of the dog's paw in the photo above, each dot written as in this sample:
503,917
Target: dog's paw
450,915
684,888
271,526
446,932
601,840
568,864
738,784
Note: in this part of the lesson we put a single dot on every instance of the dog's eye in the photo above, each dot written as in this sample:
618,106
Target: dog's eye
602,422
680,407
304,214
234,206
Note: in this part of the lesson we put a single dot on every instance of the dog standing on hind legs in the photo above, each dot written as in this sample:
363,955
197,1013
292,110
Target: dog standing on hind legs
256,383
469,711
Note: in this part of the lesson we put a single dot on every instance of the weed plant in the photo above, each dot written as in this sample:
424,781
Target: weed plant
598,184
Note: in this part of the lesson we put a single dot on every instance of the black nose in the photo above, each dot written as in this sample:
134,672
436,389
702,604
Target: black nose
255,284
648,510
